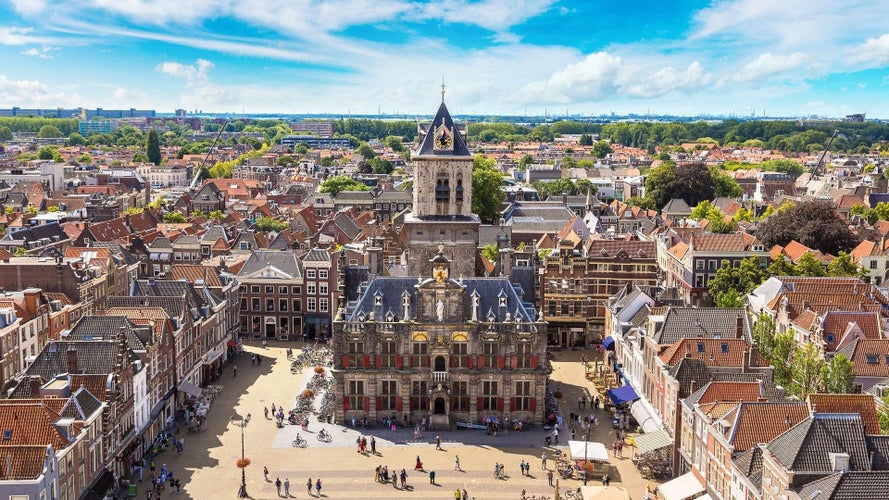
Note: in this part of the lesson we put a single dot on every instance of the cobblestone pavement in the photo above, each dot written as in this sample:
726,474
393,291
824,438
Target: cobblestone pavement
207,466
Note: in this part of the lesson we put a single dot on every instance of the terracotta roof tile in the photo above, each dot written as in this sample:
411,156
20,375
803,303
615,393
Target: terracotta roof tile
870,358
862,404
31,423
26,462
713,352
729,392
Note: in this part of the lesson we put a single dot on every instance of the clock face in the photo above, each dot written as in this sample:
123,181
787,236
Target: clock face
443,139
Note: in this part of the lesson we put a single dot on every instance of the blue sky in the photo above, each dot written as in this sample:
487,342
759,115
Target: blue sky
690,57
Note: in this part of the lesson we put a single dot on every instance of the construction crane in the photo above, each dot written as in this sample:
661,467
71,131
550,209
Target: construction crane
817,167
197,173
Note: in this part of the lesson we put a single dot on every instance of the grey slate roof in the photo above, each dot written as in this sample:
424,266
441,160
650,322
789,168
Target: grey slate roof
854,485
688,370
676,206
285,262
879,446
427,148
488,289
805,447
347,225
53,231
93,357
682,322
214,233
174,288
317,255
81,405
161,243
749,464
93,328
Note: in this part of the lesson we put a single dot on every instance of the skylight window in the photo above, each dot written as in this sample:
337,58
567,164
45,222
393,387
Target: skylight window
7,434
873,359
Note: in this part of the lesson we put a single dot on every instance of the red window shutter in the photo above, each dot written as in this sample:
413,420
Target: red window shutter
514,360
481,361
399,361
512,404
379,361
480,405
345,360
367,361
500,362
533,405
399,403
451,361
428,361
533,362
346,404
500,403
379,403
366,404
468,361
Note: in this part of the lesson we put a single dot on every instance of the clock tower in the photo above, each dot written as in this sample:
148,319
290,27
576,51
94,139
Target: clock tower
442,211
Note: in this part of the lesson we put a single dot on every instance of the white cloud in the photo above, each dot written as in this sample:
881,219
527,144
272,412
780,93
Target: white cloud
32,93
11,35
199,90
29,7
768,65
873,52
44,52
495,15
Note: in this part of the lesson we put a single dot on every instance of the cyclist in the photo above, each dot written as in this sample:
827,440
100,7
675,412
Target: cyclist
323,435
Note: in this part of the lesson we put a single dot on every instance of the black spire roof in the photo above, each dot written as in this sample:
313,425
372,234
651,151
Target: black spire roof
458,144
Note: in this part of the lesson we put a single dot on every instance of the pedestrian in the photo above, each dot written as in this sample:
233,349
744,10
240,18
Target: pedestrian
309,486
543,461
605,480
457,463
148,494
377,474
432,477
465,494
265,473
287,487
522,467
419,465
234,371
373,445
549,476
178,486
457,495
151,465
394,480
496,470
318,486
403,478
278,485
259,360
572,433
438,442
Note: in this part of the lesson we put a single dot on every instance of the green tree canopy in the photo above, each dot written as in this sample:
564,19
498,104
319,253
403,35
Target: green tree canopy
266,224
725,185
153,148
6,134
339,183
806,368
731,284
487,189
365,151
602,149
174,217
75,139
691,182
49,132
837,376
586,140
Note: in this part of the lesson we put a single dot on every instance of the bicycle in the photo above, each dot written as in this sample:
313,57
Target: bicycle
299,442
573,494
324,437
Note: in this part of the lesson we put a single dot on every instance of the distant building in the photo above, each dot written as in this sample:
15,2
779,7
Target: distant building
321,129
89,127
316,142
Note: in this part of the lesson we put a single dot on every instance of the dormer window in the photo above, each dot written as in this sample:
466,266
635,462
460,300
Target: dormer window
700,347
872,359
378,299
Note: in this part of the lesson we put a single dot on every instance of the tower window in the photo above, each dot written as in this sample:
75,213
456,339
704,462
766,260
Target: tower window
459,189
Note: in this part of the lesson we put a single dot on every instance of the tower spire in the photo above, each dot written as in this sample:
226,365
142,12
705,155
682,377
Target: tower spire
442,88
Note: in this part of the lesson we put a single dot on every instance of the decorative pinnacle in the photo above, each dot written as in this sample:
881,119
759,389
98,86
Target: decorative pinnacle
442,88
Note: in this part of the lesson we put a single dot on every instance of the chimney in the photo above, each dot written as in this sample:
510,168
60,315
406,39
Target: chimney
72,360
32,297
34,383
739,327
693,386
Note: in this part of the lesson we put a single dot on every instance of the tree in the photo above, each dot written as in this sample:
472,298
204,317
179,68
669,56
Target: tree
731,284
6,134
782,348
327,161
84,159
691,182
365,151
266,224
586,140
602,149
141,157
339,183
153,148
174,218
781,267
49,132
487,189
490,252
725,185
815,224
808,265
842,265
75,139
837,376
805,372
883,413
525,161
284,160
217,216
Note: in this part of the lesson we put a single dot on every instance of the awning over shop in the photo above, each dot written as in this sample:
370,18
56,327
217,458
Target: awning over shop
608,343
190,389
623,394
652,441
104,482
610,492
644,418
589,450
681,488
211,357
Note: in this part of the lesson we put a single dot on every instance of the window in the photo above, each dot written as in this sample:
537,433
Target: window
724,347
310,273
322,288
830,338
255,304
295,290
458,354
873,264
269,304
254,289
552,307
243,306
310,305
522,396
310,288
356,353
322,274
712,264
356,394
873,359
419,396
489,355
418,354
460,396
388,354
282,305
699,265
489,395
282,290
388,395
700,347
269,289
523,355
297,305
323,304
243,288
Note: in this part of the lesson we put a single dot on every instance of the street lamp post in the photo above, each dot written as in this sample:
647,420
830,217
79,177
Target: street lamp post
586,462
242,491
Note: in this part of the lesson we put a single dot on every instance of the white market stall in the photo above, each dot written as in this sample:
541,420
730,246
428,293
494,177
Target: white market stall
589,450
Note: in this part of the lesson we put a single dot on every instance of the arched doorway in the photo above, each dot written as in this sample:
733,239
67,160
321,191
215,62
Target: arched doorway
439,406
440,364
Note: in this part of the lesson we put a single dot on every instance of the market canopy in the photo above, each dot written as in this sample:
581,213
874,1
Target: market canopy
644,418
623,394
652,441
189,388
589,450
684,486
608,343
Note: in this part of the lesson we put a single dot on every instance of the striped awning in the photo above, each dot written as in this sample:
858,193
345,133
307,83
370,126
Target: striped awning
652,441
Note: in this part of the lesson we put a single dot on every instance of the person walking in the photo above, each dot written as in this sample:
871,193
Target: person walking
265,473
178,486
278,485
457,463
457,495
465,494
287,487
419,465
403,478
438,442
432,477
543,461
234,371
549,476
373,445
522,467
318,486
309,486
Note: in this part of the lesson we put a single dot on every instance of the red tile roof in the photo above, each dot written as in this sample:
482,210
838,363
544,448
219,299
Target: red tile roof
862,404
731,392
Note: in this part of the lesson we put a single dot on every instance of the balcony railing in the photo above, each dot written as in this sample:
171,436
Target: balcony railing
439,376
